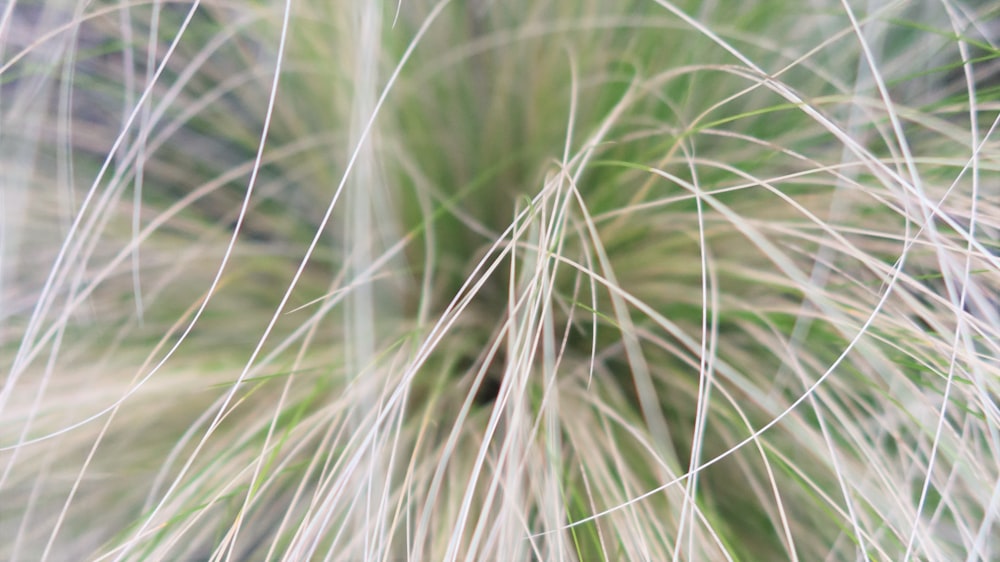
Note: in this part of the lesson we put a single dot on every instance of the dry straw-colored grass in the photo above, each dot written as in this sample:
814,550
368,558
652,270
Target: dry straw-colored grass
638,280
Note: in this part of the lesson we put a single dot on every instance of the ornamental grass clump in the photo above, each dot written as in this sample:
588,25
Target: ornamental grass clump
558,280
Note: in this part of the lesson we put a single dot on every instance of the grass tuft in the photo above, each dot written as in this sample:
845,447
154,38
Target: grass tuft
483,280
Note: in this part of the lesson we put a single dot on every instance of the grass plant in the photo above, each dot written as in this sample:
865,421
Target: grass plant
484,280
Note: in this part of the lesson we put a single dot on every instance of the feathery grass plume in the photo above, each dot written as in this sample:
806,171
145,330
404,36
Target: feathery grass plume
651,280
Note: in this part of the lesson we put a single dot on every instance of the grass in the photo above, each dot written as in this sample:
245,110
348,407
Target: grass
499,280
